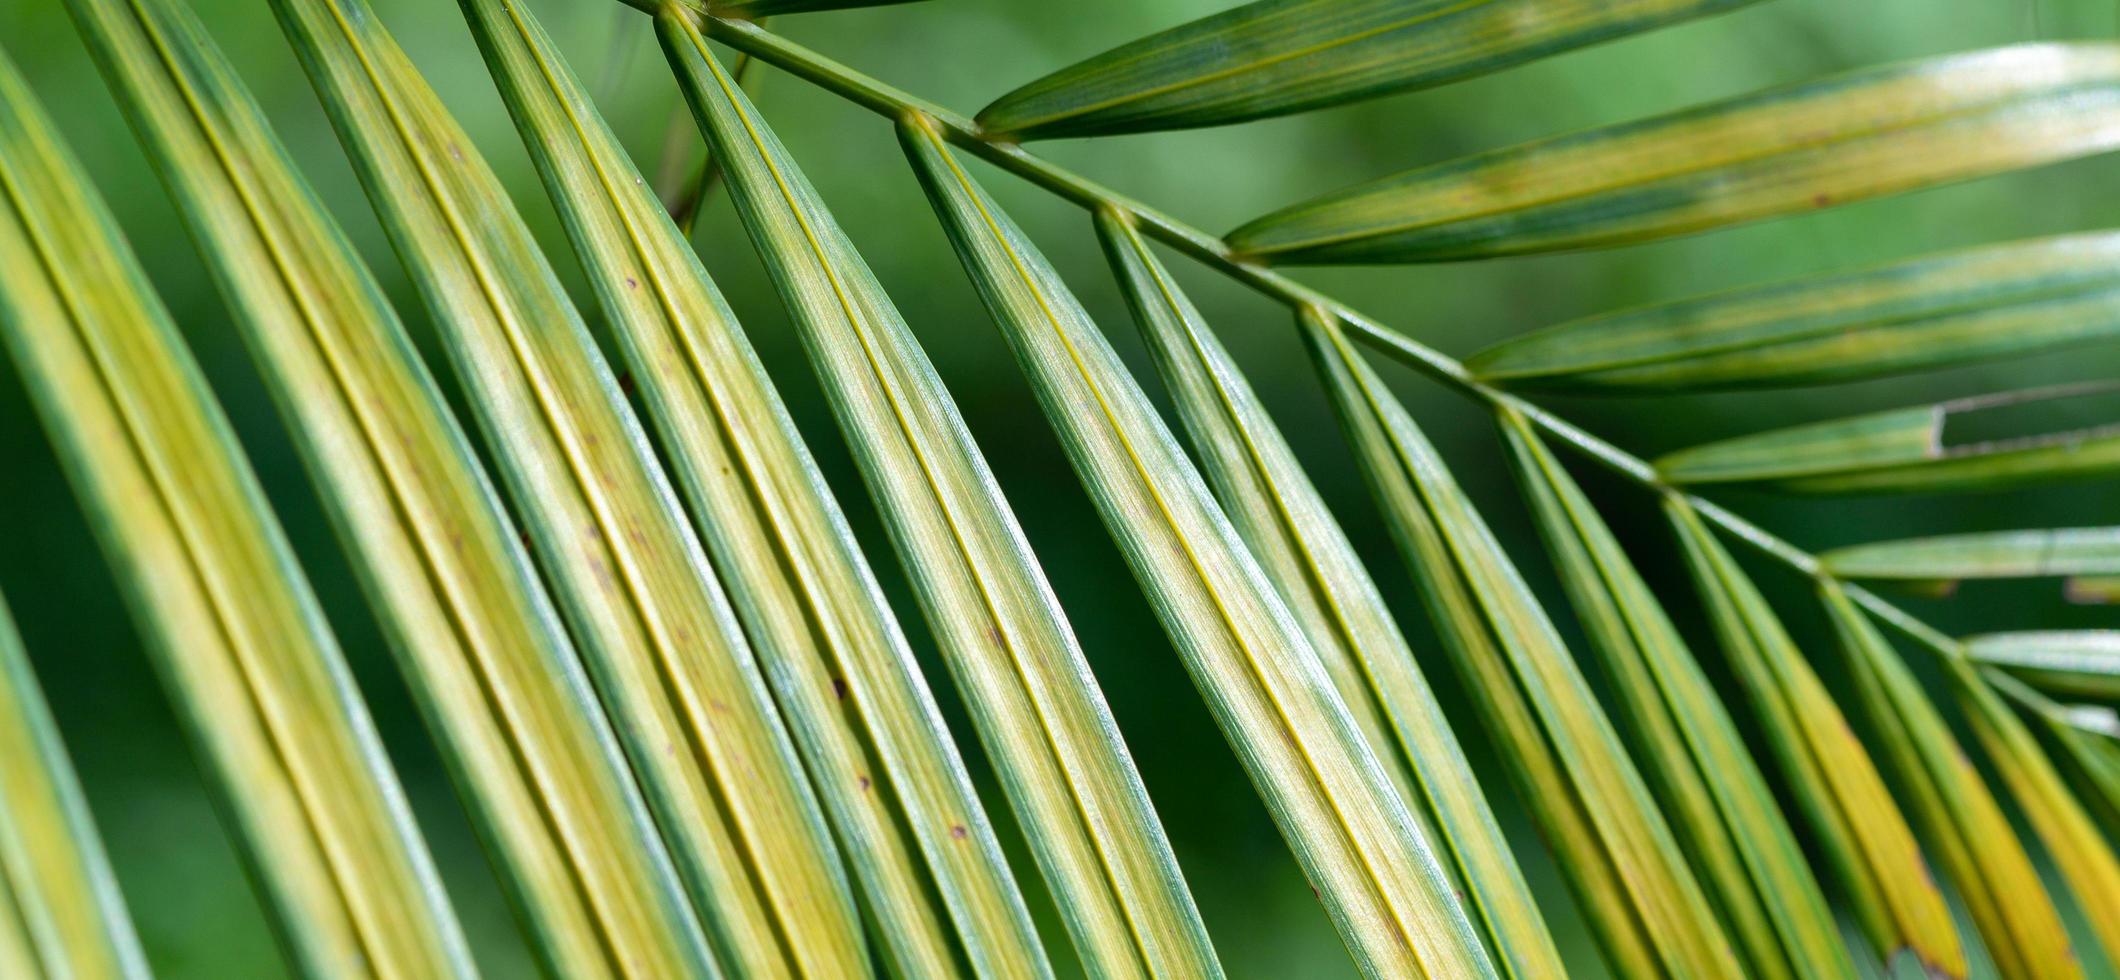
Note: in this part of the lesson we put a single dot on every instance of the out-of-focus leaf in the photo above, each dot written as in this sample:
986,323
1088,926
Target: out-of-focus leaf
1355,837
2003,554
1596,812
1098,843
1878,865
2061,663
1979,305
1903,451
1269,499
1719,804
2081,855
1975,844
63,916
1813,145
752,10
1038,710
676,673
2093,756
1276,57
256,676
2094,590
500,683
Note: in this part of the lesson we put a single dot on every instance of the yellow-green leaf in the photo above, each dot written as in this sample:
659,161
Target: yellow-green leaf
1276,57
2092,753
1877,863
1907,450
2064,663
1978,305
502,686
1974,841
60,911
1641,896
242,646
1873,132
1718,801
1300,546
1364,853
721,775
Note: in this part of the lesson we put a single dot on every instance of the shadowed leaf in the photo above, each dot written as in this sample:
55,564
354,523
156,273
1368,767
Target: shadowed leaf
1905,450
1719,804
1979,305
1357,841
1276,57
1596,812
1831,141
1301,548
60,911
1960,818
255,674
1878,865
500,683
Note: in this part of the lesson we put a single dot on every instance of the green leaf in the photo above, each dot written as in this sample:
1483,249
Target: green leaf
60,911
1877,863
1037,708
760,9
676,673
1039,713
1270,501
1719,804
2063,663
1931,312
1357,841
2001,554
1276,57
1958,815
1905,450
2093,757
242,646
494,672
2079,852
1813,145
1572,772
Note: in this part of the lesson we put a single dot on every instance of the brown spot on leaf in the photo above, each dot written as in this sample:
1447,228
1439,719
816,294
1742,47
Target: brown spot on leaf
957,831
861,783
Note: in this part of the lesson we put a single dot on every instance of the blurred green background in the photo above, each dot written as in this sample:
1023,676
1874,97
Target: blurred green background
181,877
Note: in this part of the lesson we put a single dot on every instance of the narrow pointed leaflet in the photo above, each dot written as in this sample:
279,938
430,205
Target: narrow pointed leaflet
1851,814
1270,501
2076,664
721,776
1276,57
238,638
60,911
1973,839
500,683
1357,841
1642,899
1831,141
1719,803
1998,301
2056,552
2092,757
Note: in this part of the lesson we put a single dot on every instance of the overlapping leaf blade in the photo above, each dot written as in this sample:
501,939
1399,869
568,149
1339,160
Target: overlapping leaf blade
1718,801
2081,664
501,685
2093,757
1270,501
1642,898
1878,864
1275,57
1979,305
1357,841
1902,451
981,587
1974,841
1831,141
60,911
675,671
256,677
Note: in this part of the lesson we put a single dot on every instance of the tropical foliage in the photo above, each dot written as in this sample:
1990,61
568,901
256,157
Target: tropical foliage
694,727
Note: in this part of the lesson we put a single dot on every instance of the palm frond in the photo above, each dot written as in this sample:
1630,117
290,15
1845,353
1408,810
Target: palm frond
2081,664
256,676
